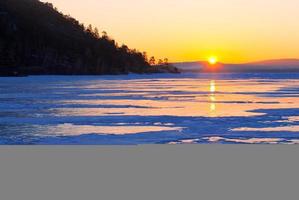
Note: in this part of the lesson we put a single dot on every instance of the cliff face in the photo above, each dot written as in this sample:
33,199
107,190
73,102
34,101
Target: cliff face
37,39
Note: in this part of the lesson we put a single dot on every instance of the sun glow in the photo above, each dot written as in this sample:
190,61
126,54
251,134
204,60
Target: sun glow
213,60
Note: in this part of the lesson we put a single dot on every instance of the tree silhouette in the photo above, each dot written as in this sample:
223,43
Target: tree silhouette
96,33
152,61
89,29
144,55
105,35
160,62
166,61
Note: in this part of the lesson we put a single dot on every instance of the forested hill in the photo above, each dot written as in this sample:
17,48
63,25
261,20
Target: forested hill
37,39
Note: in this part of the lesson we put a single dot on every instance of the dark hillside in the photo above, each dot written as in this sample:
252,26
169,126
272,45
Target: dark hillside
37,39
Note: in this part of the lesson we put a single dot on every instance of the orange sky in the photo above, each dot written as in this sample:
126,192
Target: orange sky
189,30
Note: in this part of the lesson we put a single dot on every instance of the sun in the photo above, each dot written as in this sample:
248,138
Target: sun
213,60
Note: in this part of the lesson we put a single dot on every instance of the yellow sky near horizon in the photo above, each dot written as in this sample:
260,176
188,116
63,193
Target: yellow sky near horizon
235,31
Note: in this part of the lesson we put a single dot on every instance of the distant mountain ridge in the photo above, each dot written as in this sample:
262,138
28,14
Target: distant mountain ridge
274,62
275,65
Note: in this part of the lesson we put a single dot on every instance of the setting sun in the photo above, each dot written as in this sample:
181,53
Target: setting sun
213,60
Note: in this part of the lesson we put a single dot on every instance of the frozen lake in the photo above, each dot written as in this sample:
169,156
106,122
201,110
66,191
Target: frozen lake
150,109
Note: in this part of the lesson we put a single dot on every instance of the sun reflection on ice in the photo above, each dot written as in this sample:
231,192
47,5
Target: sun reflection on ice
212,86
212,98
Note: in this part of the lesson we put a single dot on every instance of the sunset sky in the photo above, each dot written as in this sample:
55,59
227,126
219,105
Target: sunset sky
235,31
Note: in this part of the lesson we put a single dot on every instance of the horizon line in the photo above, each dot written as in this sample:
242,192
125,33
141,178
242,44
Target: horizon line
242,63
